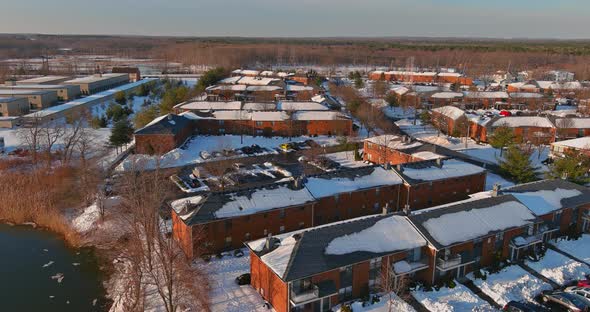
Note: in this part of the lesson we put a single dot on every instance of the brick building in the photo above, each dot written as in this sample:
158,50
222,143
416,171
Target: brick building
449,119
537,130
133,72
562,148
395,150
163,134
464,237
421,77
484,99
316,269
569,128
228,219
437,182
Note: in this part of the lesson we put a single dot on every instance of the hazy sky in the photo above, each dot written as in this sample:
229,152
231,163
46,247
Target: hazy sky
305,18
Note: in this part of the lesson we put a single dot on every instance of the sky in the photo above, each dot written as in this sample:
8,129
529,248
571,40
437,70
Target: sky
560,19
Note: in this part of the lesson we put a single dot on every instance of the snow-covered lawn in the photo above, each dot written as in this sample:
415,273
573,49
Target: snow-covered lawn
511,283
190,152
456,299
226,295
579,248
559,268
492,179
397,304
492,155
346,159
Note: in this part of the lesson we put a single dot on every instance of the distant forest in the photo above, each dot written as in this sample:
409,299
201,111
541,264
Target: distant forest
474,56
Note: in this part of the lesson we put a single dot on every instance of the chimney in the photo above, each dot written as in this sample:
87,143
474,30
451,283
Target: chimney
439,162
496,190
407,210
386,210
169,117
400,168
387,166
268,242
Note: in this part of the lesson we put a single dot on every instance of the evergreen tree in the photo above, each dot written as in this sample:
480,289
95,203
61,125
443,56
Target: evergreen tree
517,164
425,117
121,133
145,116
210,78
392,99
573,167
358,82
120,98
501,138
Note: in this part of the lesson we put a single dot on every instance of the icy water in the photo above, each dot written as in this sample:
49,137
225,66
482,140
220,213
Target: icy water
38,272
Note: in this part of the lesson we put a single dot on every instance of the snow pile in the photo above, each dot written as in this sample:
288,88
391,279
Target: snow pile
559,268
545,201
511,283
263,199
579,248
346,159
394,233
470,224
226,295
384,305
457,299
321,187
278,259
451,168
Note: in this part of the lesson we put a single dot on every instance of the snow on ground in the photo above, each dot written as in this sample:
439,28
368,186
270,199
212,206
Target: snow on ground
559,268
491,155
86,220
456,299
226,295
190,153
579,248
492,178
511,283
397,304
346,159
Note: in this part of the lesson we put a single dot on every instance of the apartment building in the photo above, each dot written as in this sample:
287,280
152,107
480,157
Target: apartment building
98,82
38,99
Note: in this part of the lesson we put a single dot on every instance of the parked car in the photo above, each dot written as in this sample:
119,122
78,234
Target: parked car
505,113
515,306
243,279
584,283
582,291
559,300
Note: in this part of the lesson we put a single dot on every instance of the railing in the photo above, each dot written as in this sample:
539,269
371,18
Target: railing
452,261
306,295
526,240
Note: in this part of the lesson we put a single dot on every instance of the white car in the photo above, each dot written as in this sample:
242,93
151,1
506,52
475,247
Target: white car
581,291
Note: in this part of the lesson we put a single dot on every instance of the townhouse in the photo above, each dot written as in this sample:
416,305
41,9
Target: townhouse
225,220
439,99
568,128
163,134
484,99
563,148
421,77
465,236
435,182
316,269
537,130
395,150
449,119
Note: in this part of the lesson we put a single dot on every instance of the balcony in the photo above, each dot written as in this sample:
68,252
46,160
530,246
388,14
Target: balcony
527,240
449,263
403,267
315,292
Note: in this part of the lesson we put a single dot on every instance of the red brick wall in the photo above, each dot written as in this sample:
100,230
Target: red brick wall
276,128
182,234
528,135
442,192
329,127
381,155
154,143
275,291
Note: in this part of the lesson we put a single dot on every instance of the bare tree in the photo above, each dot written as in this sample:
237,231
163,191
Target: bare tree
30,135
563,125
392,285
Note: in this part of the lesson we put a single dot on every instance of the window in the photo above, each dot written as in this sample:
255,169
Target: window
345,293
259,123
374,272
499,241
376,206
221,130
282,213
377,191
557,217
282,229
336,198
221,122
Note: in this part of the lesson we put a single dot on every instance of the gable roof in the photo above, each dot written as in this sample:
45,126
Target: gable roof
547,196
446,225
433,170
309,252
167,124
450,111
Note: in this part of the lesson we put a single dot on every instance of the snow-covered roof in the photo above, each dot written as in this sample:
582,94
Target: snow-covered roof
426,155
227,88
318,115
304,106
486,94
400,90
523,121
526,95
94,78
386,235
457,223
327,247
393,142
577,123
318,98
259,106
298,88
579,143
546,196
263,88
206,105
350,180
269,116
257,81
43,79
230,80
431,171
450,111
447,95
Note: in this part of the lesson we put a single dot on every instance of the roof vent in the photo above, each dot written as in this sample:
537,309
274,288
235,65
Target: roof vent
386,209
496,190
439,162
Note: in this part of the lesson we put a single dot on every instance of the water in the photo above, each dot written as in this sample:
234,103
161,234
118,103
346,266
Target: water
26,285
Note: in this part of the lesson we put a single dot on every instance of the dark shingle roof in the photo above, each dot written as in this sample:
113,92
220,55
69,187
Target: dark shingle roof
169,124
421,217
309,258
552,185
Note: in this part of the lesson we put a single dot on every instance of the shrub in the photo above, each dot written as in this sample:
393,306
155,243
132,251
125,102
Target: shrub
346,308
